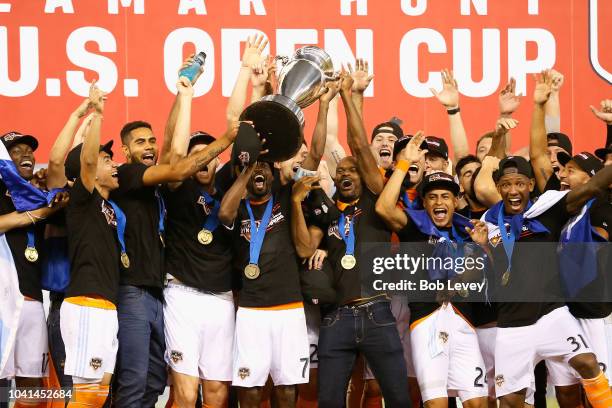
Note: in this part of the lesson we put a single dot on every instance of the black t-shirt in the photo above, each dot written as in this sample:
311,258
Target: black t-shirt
367,227
92,245
553,183
205,267
418,310
526,266
143,244
28,273
601,216
472,215
279,280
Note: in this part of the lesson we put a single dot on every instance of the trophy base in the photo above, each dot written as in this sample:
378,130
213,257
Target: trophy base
280,121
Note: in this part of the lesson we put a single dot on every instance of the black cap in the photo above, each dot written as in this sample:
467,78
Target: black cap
395,129
401,144
603,152
72,166
10,139
438,180
247,146
437,146
561,140
585,160
200,137
522,165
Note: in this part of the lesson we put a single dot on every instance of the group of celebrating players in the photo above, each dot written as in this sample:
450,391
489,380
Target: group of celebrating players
187,272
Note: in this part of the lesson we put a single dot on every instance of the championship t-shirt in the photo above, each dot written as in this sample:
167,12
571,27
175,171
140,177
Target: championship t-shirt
279,280
28,273
141,205
367,227
529,266
205,267
93,248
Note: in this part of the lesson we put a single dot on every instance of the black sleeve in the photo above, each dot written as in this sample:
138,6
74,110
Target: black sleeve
601,216
555,218
130,176
79,194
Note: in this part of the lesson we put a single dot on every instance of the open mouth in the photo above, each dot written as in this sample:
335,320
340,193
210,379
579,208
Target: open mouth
515,203
346,184
384,153
556,169
296,167
439,214
259,181
413,170
148,158
115,174
26,165
564,186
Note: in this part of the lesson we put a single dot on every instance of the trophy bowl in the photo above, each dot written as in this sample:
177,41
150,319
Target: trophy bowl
279,118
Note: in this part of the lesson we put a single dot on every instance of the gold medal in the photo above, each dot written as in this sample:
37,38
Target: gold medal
125,260
348,261
31,254
251,271
505,278
205,237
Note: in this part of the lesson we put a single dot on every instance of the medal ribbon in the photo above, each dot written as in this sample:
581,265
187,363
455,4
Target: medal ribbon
212,221
408,203
31,238
162,213
258,234
508,237
350,240
121,221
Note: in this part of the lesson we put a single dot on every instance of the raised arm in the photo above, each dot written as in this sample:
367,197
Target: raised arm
23,219
357,139
386,206
361,81
319,136
508,102
250,57
449,98
334,152
605,115
538,144
91,144
182,121
306,239
552,107
498,144
56,176
188,166
231,200
170,128
484,185
597,185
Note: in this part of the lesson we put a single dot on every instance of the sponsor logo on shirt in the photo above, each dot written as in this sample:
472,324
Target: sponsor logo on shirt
109,214
207,208
495,239
277,219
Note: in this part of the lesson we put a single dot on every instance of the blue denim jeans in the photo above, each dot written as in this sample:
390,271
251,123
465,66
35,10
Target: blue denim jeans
347,331
140,374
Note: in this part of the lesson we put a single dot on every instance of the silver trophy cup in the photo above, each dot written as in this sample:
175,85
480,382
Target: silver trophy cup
279,118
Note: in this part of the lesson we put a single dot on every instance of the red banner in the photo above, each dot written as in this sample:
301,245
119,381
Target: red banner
51,49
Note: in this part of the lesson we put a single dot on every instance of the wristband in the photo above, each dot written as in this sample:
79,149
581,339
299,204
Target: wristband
403,165
453,111
30,217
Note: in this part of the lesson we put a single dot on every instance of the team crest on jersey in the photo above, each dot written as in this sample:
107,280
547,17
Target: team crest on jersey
443,337
276,219
176,356
95,363
109,214
499,380
207,208
243,372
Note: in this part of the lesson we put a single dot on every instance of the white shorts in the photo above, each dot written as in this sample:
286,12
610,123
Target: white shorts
270,342
486,342
199,331
446,357
555,336
313,323
90,338
29,356
562,374
401,312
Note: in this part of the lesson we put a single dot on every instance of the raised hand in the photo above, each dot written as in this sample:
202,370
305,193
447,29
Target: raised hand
557,80
83,108
259,74
543,87
480,232
97,97
508,100
346,81
331,90
413,152
449,95
188,61
503,125
252,52
184,87
605,113
303,186
361,79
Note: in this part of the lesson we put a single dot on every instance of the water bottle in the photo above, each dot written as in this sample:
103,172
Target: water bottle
192,70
